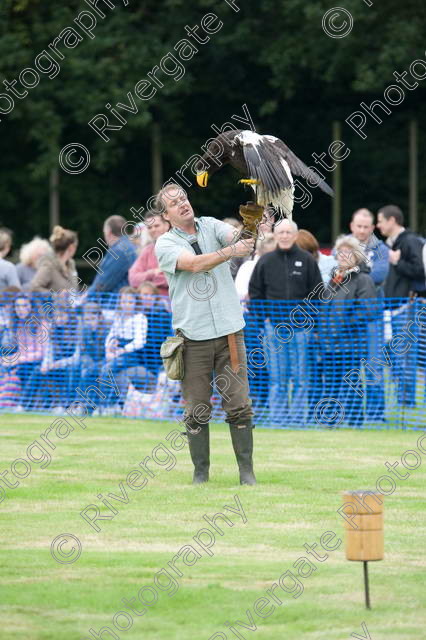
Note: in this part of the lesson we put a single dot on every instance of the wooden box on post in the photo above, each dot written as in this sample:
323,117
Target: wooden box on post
364,530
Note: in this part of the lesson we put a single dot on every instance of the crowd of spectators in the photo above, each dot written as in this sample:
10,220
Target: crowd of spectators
57,335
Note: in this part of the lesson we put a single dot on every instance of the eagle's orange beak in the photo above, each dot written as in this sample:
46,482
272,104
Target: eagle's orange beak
202,179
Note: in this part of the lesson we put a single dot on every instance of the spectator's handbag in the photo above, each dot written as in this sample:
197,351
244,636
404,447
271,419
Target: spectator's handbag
171,353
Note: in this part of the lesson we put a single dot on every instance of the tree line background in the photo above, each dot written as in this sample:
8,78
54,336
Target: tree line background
273,56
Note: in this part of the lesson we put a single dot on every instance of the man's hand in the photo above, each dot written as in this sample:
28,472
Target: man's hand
243,248
394,256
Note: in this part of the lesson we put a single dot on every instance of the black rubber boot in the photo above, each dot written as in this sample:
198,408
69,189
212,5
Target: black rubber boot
242,441
199,448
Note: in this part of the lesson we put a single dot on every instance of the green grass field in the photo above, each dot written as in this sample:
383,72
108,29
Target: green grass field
301,475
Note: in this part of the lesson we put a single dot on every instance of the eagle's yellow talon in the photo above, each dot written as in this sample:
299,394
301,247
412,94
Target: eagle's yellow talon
248,181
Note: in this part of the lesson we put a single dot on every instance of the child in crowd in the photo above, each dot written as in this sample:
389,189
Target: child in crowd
124,345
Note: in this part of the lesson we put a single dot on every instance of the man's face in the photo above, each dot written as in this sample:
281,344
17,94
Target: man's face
177,208
362,227
385,226
285,234
157,227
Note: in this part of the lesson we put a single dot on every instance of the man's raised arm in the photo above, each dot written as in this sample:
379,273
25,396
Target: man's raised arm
187,261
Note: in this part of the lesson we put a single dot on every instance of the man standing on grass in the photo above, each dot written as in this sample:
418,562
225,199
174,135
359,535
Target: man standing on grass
207,312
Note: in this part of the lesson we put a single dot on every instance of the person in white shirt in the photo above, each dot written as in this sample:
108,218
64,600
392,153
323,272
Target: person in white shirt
264,245
128,332
126,339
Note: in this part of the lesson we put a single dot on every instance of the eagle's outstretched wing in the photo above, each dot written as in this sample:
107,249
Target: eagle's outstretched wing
297,167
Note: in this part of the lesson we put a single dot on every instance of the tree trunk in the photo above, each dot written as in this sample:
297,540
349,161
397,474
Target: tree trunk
53,197
336,218
156,158
413,197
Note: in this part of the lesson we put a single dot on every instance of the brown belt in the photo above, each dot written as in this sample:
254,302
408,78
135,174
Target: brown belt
233,352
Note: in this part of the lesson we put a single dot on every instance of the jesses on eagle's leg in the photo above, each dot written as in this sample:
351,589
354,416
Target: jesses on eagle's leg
252,182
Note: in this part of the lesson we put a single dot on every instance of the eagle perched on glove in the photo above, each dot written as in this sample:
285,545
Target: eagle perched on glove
267,164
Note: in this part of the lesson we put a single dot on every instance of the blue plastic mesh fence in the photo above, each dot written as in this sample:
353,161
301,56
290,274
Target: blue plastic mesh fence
358,363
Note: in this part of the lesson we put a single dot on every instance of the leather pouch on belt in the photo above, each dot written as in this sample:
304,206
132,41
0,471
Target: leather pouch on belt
171,353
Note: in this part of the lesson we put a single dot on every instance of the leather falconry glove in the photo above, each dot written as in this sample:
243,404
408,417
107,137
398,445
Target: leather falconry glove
251,214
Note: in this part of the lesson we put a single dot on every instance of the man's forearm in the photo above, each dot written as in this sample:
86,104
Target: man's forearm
207,261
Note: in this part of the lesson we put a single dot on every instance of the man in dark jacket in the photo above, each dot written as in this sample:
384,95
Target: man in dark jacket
405,256
287,273
376,263
406,267
113,269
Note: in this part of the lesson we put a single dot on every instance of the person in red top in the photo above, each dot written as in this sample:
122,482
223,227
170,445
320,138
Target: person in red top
146,268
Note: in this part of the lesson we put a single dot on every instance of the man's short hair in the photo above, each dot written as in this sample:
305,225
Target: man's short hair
159,202
364,212
291,223
392,211
115,224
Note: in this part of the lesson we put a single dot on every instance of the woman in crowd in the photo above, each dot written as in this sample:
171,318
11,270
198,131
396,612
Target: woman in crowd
343,330
24,344
29,256
56,269
307,241
146,266
326,263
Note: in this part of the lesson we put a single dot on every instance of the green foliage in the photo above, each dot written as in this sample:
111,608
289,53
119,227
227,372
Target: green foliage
274,56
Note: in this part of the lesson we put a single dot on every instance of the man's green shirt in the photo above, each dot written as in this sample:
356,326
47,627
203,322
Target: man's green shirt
205,305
